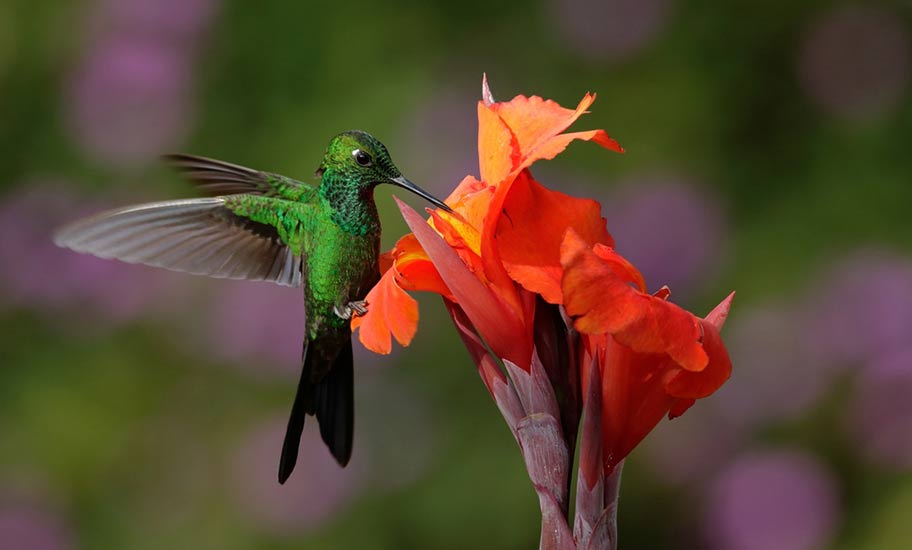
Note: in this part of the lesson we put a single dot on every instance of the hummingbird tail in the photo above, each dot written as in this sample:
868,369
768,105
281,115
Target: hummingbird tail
331,400
334,404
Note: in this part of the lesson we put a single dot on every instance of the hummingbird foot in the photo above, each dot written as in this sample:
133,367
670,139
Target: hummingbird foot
352,309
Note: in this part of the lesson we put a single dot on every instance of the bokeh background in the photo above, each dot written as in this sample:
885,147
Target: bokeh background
768,152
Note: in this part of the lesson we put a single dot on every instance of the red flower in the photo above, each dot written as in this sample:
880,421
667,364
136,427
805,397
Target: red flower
532,282
511,136
654,358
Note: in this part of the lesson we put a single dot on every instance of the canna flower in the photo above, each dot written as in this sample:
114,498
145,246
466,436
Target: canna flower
559,325
512,136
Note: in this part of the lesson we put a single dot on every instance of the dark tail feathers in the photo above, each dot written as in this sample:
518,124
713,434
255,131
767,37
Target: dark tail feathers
331,400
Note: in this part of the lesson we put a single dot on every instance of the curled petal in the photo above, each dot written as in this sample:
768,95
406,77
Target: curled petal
461,238
626,271
414,270
531,229
601,301
695,385
471,200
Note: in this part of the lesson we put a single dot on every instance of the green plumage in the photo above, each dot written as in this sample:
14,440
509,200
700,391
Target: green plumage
263,226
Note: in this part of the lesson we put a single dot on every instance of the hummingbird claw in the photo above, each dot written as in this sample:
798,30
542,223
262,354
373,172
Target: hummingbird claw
352,309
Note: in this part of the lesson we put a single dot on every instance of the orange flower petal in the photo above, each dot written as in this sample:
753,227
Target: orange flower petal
501,327
390,311
554,146
465,240
601,301
625,270
511,137
531,230
497,150
696,385
422,276
536,125
633,399
529,128
533,121
471,200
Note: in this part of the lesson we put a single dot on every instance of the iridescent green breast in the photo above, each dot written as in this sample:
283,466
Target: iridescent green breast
340,267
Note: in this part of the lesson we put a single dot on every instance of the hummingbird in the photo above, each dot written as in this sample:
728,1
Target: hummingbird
263,226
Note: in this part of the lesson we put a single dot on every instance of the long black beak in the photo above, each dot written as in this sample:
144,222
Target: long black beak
404,183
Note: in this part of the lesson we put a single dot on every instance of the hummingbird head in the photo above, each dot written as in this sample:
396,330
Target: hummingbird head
358,161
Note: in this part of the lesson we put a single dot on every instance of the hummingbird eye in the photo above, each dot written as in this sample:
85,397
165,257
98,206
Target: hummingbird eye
361,157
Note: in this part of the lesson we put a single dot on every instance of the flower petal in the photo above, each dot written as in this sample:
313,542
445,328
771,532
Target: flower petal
634,400
536,125
534,121
626,270
471,199
414,270
601,301
498,151
680,407
719,313
696,385
390,311
503,330
531,230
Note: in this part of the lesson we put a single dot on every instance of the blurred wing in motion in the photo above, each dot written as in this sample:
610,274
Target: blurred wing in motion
217,177
199,236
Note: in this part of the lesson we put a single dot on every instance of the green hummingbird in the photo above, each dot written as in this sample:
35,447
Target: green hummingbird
267,227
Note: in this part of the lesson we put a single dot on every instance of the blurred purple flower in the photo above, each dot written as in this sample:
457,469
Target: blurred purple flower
670,230
37,274
772,501
880,416
167,21
129,101
855,61
318,490
777,377
610,29
27,526
862,308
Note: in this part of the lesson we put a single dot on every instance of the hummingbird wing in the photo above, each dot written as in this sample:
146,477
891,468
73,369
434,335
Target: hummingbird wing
217,177
199,236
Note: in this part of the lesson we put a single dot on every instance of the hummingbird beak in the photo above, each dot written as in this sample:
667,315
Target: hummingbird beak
404,183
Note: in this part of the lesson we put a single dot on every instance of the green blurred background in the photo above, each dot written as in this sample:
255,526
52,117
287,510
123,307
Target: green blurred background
767,153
